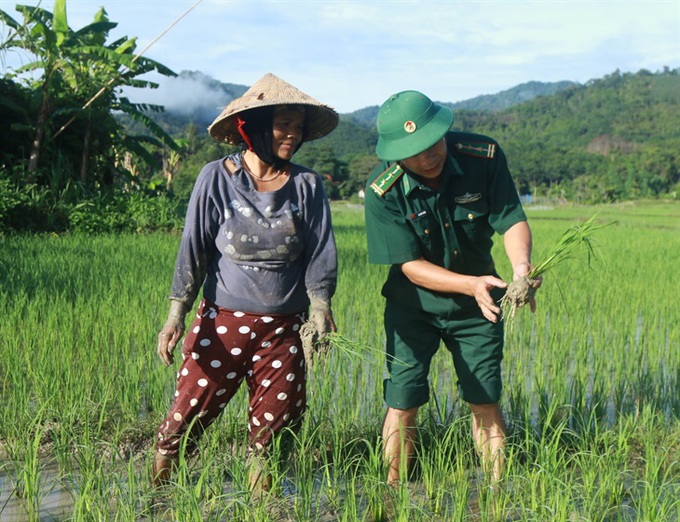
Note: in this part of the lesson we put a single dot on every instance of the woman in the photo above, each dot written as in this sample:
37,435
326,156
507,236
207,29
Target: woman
258,240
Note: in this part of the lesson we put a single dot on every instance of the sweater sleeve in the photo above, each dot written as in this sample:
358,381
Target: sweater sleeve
198,241
320,249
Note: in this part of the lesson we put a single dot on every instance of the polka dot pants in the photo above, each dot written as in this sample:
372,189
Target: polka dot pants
221,349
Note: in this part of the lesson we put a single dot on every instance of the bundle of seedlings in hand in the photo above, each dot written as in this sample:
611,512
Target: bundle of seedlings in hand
522,290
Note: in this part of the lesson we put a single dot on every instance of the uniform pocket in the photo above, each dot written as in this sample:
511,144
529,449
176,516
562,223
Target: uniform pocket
472,218
424,226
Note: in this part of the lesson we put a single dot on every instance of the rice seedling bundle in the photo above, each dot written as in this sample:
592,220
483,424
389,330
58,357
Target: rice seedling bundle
521,291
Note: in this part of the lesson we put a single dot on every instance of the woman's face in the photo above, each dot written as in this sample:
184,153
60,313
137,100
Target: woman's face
429,163
288,125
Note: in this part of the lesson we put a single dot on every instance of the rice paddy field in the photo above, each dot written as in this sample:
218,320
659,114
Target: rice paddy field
591,396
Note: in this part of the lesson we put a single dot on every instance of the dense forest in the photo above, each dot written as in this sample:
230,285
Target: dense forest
615,138
76,154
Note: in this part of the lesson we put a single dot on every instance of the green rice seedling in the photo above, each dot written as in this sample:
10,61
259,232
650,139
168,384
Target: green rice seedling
443,464
547,496
375,490
91,483
129,497
591,387
597,468
28,469
656,496
460,504
303,468
522,290
186,497
196,496
342,467
353,348
350,509
238,502
493,502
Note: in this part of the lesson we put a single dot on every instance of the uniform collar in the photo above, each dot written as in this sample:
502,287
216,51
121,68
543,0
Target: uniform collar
451,168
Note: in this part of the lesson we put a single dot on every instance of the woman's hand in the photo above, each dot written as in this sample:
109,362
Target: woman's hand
168,338
323,322
172,332
314,332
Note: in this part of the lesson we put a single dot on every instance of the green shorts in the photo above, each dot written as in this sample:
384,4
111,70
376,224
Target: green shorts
414,336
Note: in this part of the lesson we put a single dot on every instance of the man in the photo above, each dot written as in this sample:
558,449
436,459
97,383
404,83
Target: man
432,207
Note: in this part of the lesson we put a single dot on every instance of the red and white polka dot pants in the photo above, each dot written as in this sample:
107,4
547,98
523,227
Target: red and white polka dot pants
221,349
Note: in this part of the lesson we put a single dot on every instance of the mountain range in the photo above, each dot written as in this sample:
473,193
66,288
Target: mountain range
195,97
612,138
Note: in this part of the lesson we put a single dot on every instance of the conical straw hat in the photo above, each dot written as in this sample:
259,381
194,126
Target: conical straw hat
272,90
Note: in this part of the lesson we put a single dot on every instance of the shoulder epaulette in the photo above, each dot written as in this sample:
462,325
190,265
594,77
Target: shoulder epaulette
387,179
478,149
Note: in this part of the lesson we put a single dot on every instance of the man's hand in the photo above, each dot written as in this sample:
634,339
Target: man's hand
481,290
522,270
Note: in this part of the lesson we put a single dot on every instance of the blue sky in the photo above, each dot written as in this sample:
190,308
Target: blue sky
353,54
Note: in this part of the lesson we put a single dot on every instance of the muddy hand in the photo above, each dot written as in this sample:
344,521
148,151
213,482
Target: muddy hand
172,332
168,338
314,333
522,270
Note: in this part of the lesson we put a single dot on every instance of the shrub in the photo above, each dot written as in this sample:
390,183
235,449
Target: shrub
75,209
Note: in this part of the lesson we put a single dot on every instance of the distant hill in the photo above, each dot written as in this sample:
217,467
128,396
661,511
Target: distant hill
506,99
357,128
617,136
487,102
195,97
614,137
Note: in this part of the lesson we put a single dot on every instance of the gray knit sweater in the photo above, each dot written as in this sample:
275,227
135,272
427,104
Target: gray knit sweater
257,252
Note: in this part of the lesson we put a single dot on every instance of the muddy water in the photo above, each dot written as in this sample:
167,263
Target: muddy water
56,503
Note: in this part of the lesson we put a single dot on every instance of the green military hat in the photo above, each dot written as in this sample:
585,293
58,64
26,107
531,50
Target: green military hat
409,123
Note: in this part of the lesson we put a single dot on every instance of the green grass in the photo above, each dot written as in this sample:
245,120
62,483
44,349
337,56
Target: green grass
592,391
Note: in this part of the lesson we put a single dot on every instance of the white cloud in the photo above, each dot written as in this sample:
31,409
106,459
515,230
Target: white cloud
354,53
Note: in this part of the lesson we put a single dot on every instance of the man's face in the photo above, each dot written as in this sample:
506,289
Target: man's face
429,163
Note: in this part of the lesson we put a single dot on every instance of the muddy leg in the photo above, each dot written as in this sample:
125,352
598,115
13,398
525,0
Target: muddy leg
162,468
259,479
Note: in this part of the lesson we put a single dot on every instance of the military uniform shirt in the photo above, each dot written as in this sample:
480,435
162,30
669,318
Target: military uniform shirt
451,227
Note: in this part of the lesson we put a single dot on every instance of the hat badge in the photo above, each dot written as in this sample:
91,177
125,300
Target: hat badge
410,126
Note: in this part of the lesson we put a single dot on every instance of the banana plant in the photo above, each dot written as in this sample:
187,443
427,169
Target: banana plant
77,80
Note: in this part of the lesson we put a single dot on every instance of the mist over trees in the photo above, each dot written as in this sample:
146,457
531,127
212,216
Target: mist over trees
76,154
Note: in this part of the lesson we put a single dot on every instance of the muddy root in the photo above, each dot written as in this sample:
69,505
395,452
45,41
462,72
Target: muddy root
518,293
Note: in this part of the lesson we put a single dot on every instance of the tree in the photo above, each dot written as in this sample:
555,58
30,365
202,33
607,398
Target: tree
78,86
321,158
171,163
360,168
